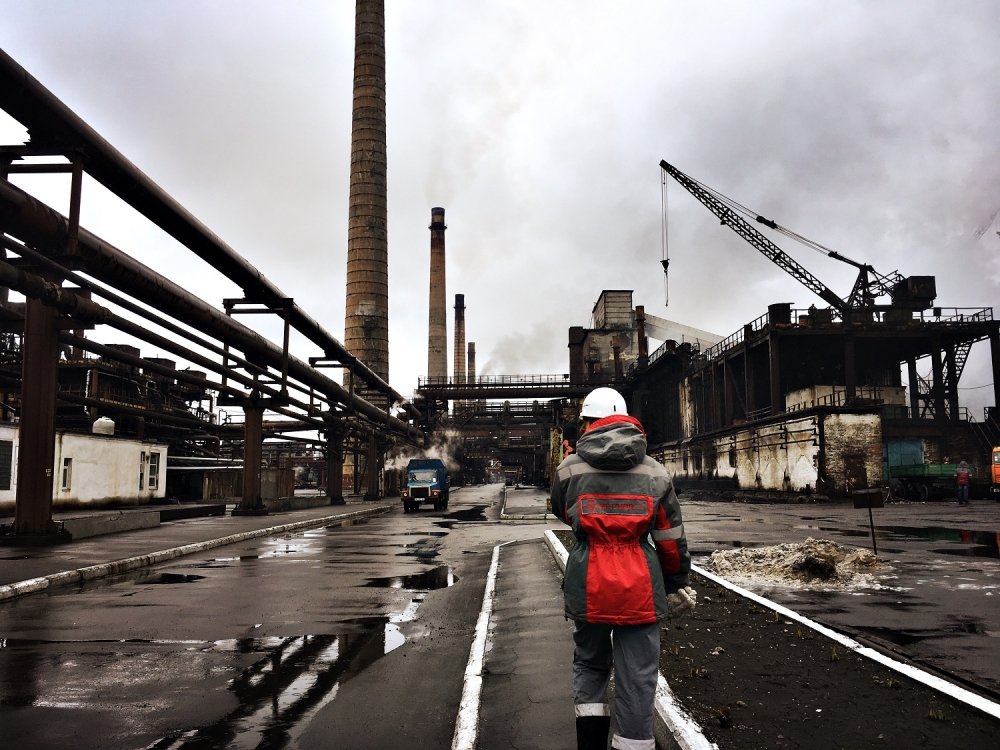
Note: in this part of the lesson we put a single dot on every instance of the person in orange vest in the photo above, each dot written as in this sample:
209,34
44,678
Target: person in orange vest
962,479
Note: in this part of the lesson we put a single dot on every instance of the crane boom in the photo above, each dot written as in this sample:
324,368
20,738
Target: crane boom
748,232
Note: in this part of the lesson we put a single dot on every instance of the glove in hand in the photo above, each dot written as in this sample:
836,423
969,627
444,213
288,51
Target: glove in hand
681,602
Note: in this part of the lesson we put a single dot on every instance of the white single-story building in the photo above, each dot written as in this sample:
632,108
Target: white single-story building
91,469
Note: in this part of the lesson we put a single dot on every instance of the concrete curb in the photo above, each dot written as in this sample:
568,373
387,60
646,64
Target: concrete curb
101,570
505,516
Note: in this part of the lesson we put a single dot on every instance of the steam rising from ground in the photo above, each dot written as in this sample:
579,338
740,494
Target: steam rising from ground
444,445
815,563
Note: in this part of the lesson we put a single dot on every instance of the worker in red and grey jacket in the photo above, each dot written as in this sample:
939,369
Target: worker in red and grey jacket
627,571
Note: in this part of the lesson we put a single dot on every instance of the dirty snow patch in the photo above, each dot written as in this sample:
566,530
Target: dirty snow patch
816,563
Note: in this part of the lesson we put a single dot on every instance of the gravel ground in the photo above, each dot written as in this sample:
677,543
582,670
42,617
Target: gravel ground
752,679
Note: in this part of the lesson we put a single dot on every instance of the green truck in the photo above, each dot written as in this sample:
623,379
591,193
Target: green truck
925,481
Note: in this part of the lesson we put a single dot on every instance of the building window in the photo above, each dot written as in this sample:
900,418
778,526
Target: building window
6,463
154,470
67,474
732,456
142,470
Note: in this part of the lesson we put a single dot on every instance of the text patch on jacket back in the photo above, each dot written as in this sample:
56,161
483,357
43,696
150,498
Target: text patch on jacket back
610,517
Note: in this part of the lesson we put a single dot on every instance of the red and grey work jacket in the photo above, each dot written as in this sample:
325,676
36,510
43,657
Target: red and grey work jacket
630,547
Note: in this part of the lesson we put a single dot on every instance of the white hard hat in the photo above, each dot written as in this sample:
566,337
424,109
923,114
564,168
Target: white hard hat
603,402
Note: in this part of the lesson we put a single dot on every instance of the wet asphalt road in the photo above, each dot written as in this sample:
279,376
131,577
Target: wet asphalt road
278,642
939,606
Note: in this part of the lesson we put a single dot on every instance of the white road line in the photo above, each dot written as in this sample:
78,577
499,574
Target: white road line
467,723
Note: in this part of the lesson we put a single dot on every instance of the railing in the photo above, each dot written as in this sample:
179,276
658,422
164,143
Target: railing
520,382
813,317
444,382
735,339
818,318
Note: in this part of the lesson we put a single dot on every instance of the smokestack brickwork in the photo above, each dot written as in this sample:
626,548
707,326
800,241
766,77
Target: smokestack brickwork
366,325
459,338
437,324
472,370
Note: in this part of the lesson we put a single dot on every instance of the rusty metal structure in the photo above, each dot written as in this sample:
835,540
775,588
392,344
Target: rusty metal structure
249,372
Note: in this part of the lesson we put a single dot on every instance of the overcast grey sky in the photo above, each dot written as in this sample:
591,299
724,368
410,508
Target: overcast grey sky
870,127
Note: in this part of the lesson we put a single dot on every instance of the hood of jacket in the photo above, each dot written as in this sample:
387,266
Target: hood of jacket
615,443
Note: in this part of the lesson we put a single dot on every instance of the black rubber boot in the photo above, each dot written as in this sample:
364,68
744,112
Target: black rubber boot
592,732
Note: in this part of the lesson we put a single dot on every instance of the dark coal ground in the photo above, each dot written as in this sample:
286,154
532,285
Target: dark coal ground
754,680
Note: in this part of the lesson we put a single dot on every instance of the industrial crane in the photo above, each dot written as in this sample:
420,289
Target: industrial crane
907,293
915,292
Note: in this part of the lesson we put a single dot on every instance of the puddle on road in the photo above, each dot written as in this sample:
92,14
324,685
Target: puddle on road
474,513
437,578
168,578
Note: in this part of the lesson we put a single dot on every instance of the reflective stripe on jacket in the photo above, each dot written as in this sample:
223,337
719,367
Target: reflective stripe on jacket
630,547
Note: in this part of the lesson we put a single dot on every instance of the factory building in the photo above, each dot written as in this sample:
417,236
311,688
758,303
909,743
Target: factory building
797,401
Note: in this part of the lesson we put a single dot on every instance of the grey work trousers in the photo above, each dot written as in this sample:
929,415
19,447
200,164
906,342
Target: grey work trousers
634,652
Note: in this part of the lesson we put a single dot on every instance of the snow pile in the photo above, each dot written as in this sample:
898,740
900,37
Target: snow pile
814,562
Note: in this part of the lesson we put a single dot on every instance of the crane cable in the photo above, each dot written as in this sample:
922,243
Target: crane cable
664,237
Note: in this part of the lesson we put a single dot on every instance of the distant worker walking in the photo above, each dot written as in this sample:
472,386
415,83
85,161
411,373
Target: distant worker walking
962,479
627,571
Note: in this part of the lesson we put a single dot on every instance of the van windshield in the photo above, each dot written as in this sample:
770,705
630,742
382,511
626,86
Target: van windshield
424,475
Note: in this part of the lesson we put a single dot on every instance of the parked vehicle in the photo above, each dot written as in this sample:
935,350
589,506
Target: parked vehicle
928,481
426,482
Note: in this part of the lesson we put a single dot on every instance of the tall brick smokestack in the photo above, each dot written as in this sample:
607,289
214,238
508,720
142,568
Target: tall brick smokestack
366,315
437,324
472,370
459,338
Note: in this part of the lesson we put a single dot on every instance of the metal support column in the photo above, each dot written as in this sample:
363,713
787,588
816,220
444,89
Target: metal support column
850,371
777,394
36,453
253,437
373,466
937,386
335,465
749,381
914,387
